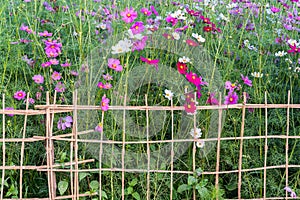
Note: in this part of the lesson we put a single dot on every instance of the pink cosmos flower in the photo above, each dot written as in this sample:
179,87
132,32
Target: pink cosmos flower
45,34
151,62
104,103
39,79
192,43
172,20
230,86
60,87
153,10
115,64
46,64
54,61
56,76
146,12
168,36
231,98
9,108
212,100
181,67
246,80
274,9
293,49
107,77
99,128
100,85
137,28
19,95
107,86
64,122
139,44
129,15
66,64
193,78
74,73
190,108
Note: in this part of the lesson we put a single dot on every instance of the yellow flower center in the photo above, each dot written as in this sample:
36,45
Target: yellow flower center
128,15
230,99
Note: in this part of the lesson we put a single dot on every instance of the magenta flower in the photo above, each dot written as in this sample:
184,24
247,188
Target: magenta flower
154,10
230,86
39,79
66,64
30,101
104,103
246,80
274,9
293,49
193,78
137,28
139,44
172,20
129,15
45,34
115,64
56,76
231,98
60,87
99,128
107,77
64,122
151,62
190,108
146,12
46,64
19,95
100,85
181,67
192,43
212,100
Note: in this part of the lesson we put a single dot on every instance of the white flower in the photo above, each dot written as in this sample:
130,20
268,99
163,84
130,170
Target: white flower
136,36
292,42
176,35
198,37
200,143
168,94
102,26
288,60
257,74
196,134
246,42
280,53
297,69
184,60
122,46
222,17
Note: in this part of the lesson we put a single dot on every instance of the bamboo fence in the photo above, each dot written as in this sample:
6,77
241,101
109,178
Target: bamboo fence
50,109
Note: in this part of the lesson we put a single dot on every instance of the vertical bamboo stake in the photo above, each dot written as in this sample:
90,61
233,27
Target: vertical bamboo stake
50,152
100,157
241,147
23,147
219,143
123,150
287,143
148,149
76,182
194,147
172,149
3,146
266,147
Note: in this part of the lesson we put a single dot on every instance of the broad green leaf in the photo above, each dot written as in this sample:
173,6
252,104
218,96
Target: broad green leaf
62,187
136,196
83,175
133,182
192,180
129,190
183,188
104,195
94,185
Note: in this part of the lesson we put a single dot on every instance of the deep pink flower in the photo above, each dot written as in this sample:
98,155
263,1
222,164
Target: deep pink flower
231,98
100,85
45,34
181,67
207,29
154,10
56,76
190,108
212,100
168,36
19,95
192,43
246,80
172,20
193,78
146,12
151,62
137,28
115,64
274,9
104,103
39,79
129,15
293,49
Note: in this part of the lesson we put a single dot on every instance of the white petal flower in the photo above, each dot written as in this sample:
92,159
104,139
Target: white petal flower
168,94
176,35
200,143
196,134
184,59
122,46
257,74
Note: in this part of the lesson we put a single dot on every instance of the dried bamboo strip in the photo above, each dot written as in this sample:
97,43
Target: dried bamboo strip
100,157
23,148
177,172
75,128
68,108
219,144
60,197
287,144
123,150
14,140
51,143
194,147
67,164
3,147
148,150
182,140
47,147
266,148
172,150
241,148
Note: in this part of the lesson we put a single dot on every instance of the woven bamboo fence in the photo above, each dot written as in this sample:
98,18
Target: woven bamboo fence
50,109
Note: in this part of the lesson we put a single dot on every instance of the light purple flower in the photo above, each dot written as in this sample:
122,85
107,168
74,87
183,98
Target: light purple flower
56,76
99,128
45,34
64,122
60,87
66,64
137,28
107,77
39,79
